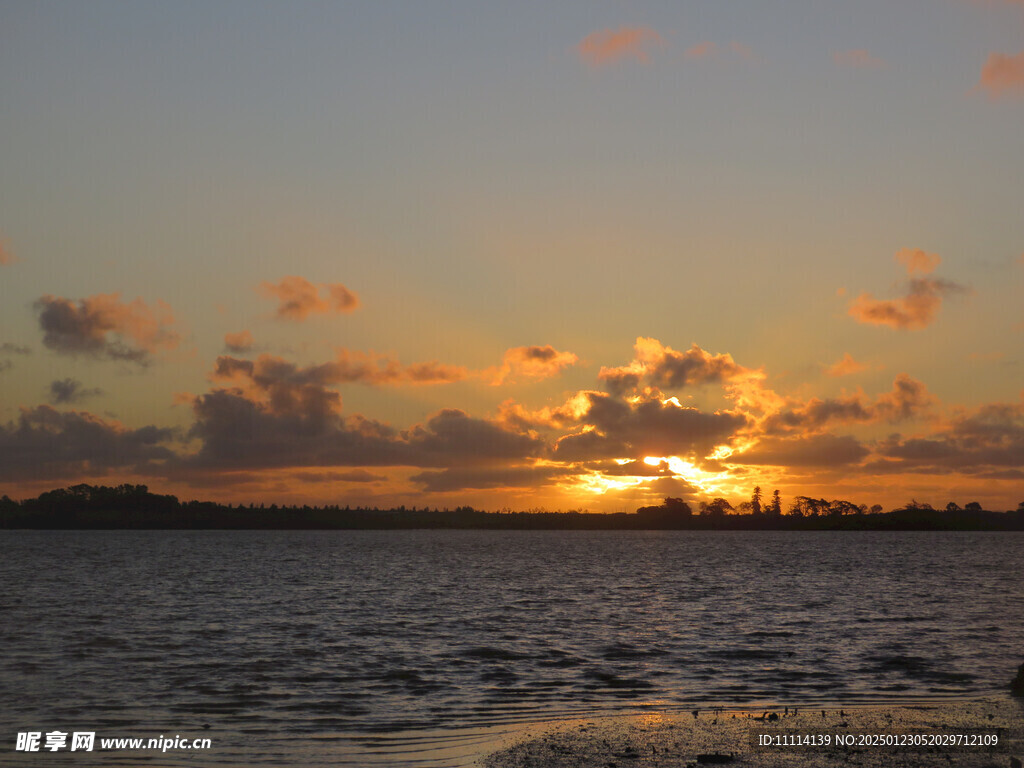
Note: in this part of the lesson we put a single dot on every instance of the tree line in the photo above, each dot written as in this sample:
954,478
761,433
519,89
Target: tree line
126,506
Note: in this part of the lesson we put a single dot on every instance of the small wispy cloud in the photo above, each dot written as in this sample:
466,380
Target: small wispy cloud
298,298
701,50
845,367
858,58
71,391
608,46
918,307
238,343
1003,75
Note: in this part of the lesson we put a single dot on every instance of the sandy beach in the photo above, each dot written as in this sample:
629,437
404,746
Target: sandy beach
730,737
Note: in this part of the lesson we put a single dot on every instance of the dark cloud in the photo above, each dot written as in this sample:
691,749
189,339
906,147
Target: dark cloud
268,372
464,478
44,443
812,451
103,326
297,422
8,348
908,399
352,476
71,391
992,436
618,429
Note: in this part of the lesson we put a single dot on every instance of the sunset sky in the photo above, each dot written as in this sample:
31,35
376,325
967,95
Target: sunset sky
561,255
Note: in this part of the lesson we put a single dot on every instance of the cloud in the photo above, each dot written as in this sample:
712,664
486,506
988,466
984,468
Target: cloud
908,399
300,424
532,363
700,50
350,476
912,312
70,391
845,367
238,343
607,46
664,367
1003,75
348,367
47,444
462,478
102,326
274,413
520,419
298,298
813,451
12,349
742,50
6,257
918,308
915,260
858,58
613,428
987,438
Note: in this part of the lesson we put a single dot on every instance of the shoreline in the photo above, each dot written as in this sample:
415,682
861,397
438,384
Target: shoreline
728,736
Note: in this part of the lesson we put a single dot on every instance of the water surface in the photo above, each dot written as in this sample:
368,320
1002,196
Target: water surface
418,647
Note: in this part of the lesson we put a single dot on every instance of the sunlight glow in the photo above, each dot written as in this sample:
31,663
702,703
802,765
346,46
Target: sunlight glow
707,482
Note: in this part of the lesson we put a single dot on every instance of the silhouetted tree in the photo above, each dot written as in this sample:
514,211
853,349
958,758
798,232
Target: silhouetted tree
776,507
716,507
952,507
755,500
973,507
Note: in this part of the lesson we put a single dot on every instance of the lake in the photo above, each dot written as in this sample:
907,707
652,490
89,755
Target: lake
424,647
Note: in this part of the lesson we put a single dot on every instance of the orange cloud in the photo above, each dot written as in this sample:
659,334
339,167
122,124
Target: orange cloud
238,342
916,260
915,310
532,363
609,46
103,326
858,58
298,298
700,50
912,312
845,367
6,257
1003,75
742,50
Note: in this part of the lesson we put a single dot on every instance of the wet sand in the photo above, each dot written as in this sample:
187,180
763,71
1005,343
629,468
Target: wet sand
728,737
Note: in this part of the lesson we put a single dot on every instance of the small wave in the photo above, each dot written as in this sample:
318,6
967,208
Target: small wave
488,653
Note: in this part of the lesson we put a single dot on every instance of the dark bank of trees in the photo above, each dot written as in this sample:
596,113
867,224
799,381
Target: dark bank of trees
82,507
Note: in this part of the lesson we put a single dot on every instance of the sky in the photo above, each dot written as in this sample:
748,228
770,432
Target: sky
582,255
